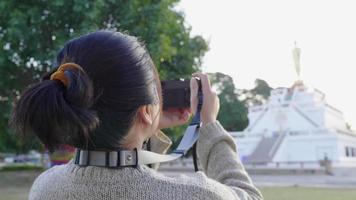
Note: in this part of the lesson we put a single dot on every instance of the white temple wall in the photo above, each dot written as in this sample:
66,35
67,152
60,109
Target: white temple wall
346,141
333,121
255,112
306,148
316,113
269,123
246,145
312,125
297,122
302,97
310,103
317,116
265,124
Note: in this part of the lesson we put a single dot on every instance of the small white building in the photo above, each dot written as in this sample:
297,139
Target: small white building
296,127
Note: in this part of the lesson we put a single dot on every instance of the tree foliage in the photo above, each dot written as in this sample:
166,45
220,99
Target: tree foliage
257,95
233,112
234,102
32,31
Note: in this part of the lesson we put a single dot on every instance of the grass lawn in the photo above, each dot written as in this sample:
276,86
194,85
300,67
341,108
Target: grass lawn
16,185
270,193
14,193
302,193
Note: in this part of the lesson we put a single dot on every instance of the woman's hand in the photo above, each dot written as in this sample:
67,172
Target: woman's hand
174,117
211,103
179,116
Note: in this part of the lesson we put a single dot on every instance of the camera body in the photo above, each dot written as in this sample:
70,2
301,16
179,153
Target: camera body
176,93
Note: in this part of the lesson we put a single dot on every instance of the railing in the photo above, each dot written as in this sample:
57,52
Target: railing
324,165
293,167
333,108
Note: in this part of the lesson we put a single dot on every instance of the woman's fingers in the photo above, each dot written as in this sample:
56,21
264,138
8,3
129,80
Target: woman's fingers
193,95
205,82
211,103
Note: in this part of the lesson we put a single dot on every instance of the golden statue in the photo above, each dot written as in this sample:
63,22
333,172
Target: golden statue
296,57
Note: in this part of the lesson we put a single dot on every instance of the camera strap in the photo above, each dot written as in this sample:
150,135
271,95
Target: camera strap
127,158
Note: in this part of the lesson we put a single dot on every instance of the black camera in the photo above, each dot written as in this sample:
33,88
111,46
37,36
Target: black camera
176,93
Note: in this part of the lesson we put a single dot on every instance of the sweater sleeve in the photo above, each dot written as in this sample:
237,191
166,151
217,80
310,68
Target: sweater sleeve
219,159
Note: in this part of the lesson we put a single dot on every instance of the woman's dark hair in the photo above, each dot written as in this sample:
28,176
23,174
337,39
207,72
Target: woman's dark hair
99,105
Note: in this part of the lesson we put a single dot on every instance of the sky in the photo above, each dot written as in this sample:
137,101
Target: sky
251,39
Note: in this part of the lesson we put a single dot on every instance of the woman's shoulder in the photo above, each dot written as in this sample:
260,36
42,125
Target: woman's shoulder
46,180
144,181
196,183
49,173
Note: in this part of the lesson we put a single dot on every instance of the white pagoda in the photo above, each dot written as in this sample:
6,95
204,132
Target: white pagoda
296,127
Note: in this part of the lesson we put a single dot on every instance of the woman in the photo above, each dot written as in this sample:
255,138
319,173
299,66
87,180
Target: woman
105,95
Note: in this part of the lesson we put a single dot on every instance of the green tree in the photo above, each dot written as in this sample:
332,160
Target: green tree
31,32
257,95
233,112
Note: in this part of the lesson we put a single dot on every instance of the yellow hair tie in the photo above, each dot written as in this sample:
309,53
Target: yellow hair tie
59,74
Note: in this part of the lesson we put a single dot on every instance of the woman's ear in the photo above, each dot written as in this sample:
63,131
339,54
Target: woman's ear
145,115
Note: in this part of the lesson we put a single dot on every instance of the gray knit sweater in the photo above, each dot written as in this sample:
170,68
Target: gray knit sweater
223,177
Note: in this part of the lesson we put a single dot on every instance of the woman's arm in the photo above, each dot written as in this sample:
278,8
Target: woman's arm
216,149
218,157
